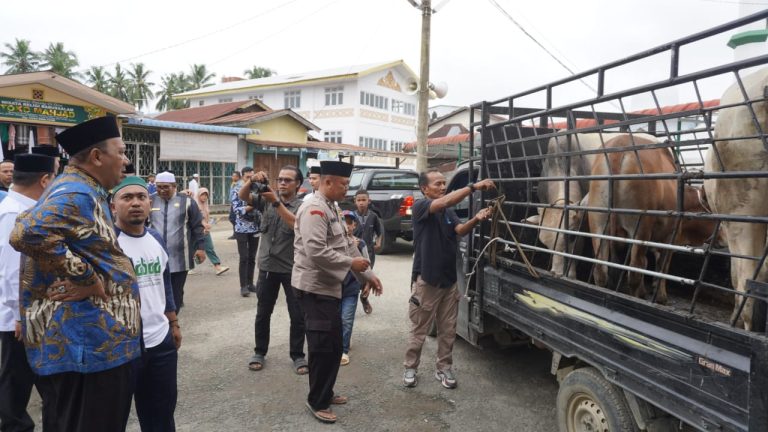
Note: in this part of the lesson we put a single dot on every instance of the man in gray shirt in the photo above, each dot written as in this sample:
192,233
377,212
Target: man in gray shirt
178,219
276,263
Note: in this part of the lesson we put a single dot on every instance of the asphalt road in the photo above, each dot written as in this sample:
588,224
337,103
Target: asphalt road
499,389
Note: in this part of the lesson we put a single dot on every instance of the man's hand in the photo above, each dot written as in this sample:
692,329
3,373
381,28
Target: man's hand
67,291
485,185
176,335
375,284
483,214
200,256
260,177
360,264
269,196
17,332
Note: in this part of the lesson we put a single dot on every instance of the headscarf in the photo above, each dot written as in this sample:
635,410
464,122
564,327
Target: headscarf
203,205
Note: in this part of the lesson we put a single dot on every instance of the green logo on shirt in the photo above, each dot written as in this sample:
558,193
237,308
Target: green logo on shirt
144,268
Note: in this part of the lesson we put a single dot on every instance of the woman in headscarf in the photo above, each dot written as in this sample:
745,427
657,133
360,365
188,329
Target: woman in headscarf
202,203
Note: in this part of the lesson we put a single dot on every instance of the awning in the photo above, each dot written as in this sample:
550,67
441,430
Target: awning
194,146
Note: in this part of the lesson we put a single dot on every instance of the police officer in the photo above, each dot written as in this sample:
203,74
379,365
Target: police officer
323,254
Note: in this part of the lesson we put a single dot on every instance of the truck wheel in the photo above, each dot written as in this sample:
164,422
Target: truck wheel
388,242
587,402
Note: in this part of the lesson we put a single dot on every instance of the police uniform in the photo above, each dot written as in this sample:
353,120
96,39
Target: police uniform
323,255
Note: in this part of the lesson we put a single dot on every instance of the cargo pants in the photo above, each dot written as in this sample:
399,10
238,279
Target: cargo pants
426,302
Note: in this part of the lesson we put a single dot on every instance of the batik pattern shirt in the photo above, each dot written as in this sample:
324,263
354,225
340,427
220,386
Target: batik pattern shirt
246,222
69,234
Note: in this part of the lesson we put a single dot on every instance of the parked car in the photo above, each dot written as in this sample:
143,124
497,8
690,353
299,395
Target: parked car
392,192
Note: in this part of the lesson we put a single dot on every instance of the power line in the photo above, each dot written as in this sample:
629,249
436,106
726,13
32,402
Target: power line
203,36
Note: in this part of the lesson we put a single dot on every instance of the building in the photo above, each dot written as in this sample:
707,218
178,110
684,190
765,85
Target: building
35,106
368,105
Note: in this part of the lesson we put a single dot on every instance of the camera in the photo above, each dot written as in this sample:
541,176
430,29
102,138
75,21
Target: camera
260,187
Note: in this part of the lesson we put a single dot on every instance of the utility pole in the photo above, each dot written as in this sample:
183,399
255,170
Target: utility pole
422,121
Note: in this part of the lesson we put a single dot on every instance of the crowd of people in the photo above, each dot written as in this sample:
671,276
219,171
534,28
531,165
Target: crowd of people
94,260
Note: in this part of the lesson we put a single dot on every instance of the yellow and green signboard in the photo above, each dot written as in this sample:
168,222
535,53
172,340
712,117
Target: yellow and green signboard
42,111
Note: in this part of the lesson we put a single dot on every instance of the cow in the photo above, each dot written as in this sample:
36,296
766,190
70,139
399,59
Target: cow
741,196
553,192
642,194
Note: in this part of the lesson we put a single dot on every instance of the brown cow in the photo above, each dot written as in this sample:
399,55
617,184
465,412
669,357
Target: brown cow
641,194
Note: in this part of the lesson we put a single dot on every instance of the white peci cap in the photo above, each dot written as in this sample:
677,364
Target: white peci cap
165,177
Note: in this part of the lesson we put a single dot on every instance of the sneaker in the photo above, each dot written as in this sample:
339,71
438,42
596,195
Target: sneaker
192,272
252,288
344,359
446,378
409,378
244,291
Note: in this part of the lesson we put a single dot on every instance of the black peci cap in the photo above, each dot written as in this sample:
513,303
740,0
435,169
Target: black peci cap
314,170
47,150
33,163
335,168
84,135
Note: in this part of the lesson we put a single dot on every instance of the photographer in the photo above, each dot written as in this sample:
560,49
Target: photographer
247,233
276,261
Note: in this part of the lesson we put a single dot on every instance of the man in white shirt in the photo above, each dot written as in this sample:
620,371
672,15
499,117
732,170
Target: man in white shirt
31,176
194,185
314,181
155,372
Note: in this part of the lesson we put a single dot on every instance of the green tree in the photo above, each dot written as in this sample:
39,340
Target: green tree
259,72
20,58
140,89
61,61
119,84
199,76
98,79
171,85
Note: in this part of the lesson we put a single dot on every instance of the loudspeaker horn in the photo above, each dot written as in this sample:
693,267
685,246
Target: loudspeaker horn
439,89
411,86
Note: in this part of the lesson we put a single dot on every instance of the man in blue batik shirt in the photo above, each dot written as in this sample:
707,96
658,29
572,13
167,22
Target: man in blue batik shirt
79,297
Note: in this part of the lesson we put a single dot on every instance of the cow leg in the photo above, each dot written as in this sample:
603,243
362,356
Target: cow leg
745,239
663,260
598,225
638,255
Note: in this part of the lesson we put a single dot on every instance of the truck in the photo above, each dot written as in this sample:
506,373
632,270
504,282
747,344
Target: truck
623,363
392,192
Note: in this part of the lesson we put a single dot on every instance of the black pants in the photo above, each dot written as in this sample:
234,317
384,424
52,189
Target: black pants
99,401
247,244
178,279
16,381
322,315
267,290
156,391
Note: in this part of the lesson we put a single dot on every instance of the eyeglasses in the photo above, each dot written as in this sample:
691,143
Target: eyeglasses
285,180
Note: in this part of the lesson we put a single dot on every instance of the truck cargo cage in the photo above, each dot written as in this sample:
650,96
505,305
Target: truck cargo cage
605,201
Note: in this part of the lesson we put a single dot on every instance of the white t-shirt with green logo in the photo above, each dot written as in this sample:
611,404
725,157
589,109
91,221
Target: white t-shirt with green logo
150,262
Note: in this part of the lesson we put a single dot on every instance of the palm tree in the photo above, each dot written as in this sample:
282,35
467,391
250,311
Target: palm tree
199,77
259,72
61,61
119,84
20,58
140,88
98,79
170,85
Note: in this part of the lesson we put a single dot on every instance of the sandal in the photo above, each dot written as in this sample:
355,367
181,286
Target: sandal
325,416
221,270
256,363
300,365
367,308
339,400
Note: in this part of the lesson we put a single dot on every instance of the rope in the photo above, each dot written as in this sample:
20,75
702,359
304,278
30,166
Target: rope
496,207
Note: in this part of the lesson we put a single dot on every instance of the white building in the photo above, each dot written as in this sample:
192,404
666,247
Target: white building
366,105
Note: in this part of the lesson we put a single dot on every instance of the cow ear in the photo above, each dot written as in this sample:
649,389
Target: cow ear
533,220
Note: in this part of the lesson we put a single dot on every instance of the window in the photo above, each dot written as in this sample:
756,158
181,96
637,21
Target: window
201,103
334,96
356,180
409,109
373,143
394,180
292,99
397,106
332,136
373,100
225,100
397,146
258,96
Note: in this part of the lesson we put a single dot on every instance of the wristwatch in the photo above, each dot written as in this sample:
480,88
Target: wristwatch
276,204
471,186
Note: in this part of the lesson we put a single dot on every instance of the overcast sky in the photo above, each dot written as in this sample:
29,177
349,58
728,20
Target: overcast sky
477,50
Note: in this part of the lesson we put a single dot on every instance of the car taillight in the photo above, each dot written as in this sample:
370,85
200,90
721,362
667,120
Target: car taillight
405,206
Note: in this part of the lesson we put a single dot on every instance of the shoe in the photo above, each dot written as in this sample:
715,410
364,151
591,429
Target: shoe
244,291
191,272
231,237
344,359
409,378
252,288
221,270
446,378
